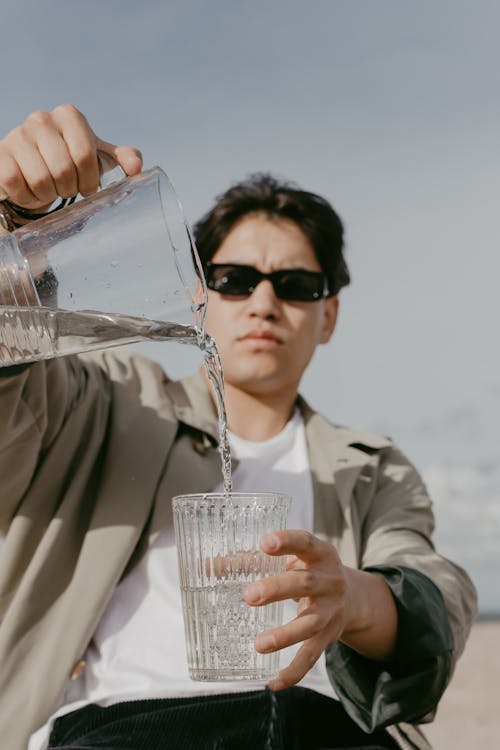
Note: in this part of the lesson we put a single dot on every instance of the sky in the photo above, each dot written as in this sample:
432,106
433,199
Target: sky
388,108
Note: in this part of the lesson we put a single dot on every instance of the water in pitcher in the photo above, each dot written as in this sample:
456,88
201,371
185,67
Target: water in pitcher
35,333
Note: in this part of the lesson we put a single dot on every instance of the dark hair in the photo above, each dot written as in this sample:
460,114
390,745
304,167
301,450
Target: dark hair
263,193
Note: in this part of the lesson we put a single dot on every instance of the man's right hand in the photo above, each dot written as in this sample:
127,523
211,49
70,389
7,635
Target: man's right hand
55,154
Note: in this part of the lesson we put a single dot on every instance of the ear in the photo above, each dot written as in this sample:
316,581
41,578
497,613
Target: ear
330,312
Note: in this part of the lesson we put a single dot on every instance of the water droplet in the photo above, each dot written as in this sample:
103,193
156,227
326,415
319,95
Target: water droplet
114,263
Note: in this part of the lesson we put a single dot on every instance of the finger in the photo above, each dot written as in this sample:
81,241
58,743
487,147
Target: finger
304,545
293,584
83,145
81,142
305,658
35,173
59,161
127,157
241,563
307,625
42,130
12,183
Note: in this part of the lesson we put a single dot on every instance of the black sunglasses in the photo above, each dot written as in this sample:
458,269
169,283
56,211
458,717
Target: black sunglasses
295,284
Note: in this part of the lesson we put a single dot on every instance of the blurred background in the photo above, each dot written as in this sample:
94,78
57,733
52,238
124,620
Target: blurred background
391,110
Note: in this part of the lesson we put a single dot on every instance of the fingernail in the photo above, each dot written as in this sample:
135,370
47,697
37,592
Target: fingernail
265,642
271,541
254,592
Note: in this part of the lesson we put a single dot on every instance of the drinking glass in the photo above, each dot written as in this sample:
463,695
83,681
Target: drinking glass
217,538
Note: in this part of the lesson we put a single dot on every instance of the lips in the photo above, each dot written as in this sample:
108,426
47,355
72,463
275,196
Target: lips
260,336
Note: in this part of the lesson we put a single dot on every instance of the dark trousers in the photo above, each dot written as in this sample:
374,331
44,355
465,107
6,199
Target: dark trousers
294,719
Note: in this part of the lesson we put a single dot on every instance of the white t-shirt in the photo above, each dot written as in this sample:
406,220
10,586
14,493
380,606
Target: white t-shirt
137,651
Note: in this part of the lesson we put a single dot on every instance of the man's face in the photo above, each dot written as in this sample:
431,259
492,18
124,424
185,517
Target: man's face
266,343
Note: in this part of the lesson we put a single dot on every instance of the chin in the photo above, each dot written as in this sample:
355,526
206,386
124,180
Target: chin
258,381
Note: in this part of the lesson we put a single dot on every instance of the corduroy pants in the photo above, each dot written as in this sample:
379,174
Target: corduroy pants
294,719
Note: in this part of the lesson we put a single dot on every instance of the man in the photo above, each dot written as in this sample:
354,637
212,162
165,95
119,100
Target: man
93,448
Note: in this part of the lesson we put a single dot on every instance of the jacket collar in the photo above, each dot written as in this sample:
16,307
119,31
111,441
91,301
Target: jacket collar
192,404
331,447
337,457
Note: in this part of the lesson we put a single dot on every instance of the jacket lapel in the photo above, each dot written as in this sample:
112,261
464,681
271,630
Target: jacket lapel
337,458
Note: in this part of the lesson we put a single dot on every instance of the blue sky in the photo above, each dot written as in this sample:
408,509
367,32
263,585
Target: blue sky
389,108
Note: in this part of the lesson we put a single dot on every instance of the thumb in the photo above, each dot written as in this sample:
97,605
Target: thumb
127,157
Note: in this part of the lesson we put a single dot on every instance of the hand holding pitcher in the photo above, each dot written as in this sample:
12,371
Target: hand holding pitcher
55,154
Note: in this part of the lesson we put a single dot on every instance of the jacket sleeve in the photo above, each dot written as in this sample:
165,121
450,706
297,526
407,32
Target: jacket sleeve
408,688
46,409
435,599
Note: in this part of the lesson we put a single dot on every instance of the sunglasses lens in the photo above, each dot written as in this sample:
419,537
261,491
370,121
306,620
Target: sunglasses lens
305,286
231,279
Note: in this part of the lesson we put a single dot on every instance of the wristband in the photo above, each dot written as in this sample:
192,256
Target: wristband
13,216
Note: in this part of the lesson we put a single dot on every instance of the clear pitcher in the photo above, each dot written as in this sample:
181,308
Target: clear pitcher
117,267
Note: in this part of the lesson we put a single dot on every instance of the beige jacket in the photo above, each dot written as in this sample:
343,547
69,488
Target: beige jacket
91,452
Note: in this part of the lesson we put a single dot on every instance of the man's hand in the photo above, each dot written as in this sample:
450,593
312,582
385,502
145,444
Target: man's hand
334,603
55,154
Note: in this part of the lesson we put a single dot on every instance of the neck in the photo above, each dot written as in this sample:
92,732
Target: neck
253,416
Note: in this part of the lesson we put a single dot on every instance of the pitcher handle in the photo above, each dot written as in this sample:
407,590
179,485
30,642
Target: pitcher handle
110,170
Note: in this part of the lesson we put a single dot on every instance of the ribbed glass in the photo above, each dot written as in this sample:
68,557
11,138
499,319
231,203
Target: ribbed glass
218,549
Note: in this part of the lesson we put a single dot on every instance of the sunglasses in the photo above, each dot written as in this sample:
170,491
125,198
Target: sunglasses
294,284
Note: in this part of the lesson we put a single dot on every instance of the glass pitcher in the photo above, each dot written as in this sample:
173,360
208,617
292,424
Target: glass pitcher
117,267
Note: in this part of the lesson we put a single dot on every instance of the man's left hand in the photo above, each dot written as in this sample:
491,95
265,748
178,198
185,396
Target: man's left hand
334,603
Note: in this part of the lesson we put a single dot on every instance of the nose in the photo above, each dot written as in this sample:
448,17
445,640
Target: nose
263,302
